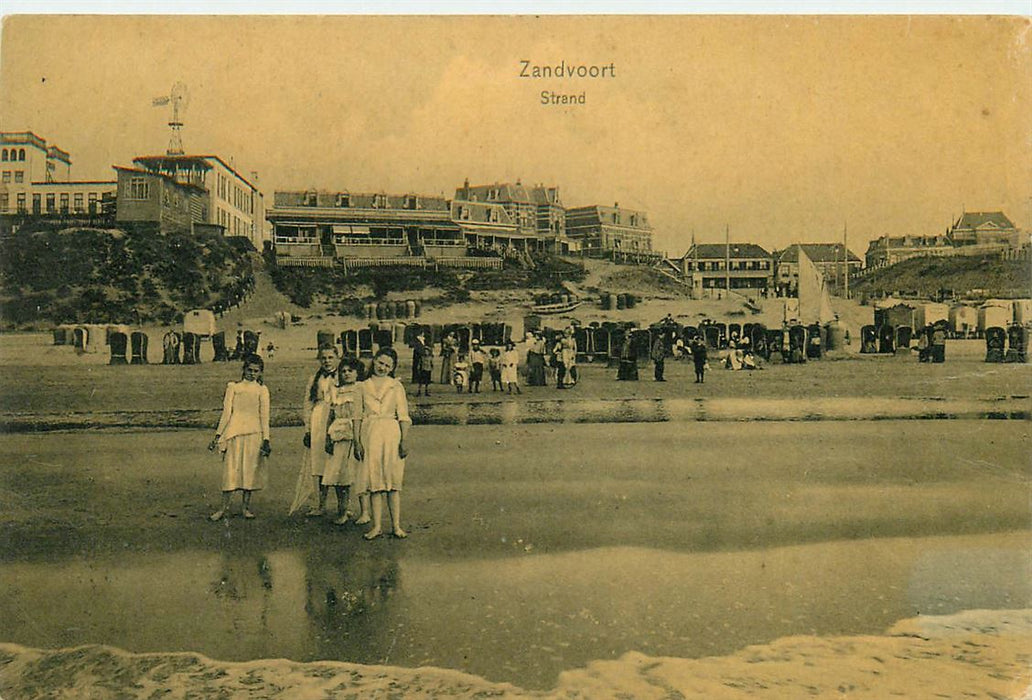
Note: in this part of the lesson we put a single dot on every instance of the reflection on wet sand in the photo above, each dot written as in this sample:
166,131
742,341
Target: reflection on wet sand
523,619
348,593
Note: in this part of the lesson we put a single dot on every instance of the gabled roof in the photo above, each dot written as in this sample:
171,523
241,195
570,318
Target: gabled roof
542,195
817,252
507,192
736,251
972,220
479,212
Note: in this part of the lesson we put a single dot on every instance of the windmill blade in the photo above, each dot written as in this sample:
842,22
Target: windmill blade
181,95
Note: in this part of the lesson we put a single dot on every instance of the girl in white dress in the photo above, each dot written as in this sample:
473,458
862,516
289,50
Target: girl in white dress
243,437
344,439
510,367
317,400
385,424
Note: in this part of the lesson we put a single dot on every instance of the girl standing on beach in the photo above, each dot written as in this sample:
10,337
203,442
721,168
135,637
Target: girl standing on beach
385,424
510,365
344,440
243,437
317,400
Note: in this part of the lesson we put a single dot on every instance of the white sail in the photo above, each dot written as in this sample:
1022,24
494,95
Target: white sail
814,300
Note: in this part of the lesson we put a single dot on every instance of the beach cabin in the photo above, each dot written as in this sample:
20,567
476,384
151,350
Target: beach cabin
199,322
928,313
995,313
963,320
895,313
1023,312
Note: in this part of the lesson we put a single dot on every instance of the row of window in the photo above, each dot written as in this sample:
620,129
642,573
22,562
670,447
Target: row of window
19,176
64,203
344,201
232,224
13,154
230,192
714,265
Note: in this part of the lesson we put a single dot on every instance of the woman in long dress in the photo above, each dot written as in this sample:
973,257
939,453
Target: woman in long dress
536,361
243,437
628,369
385,424
317,402
449,347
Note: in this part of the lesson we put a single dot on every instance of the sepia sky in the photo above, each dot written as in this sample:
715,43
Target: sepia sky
786,129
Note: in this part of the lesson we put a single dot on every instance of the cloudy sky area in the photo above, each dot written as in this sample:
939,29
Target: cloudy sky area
786,129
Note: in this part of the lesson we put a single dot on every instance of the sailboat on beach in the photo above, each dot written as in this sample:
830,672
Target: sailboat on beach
813,304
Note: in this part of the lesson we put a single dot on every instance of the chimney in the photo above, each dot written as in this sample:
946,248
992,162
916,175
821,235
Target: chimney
616,205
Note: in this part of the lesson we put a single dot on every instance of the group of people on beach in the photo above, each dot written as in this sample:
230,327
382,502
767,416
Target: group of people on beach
355,439
465,370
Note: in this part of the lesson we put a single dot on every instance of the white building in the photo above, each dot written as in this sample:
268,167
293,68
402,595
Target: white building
36,179
232,201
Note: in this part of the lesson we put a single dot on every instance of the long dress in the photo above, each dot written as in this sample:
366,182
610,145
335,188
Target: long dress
536,364
242,428
510,363
341,467
385,408
449,346
317,414
628,369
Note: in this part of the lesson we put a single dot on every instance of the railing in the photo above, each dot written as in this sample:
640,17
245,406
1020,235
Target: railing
358,241
470,263
354,263
305,262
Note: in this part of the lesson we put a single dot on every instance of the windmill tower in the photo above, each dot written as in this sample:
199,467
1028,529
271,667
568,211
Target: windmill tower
179,98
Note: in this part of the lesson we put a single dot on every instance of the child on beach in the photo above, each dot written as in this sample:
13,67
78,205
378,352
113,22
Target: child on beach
344,439
242,437
385,424
460,373
316,407
494,366
510,365
477,360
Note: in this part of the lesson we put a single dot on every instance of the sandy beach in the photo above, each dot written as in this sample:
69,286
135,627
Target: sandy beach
64,492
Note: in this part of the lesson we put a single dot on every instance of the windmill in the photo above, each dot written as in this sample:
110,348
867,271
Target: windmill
179,98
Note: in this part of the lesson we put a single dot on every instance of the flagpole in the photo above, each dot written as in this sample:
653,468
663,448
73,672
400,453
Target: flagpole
727,259
845,246
695,266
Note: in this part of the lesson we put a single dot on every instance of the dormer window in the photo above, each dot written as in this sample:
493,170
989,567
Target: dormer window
634,219
464,213
492,194
344,200
379,201
411,201
311,198
616,217
492,214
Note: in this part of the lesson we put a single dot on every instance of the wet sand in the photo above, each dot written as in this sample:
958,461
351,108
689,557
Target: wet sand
523,564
